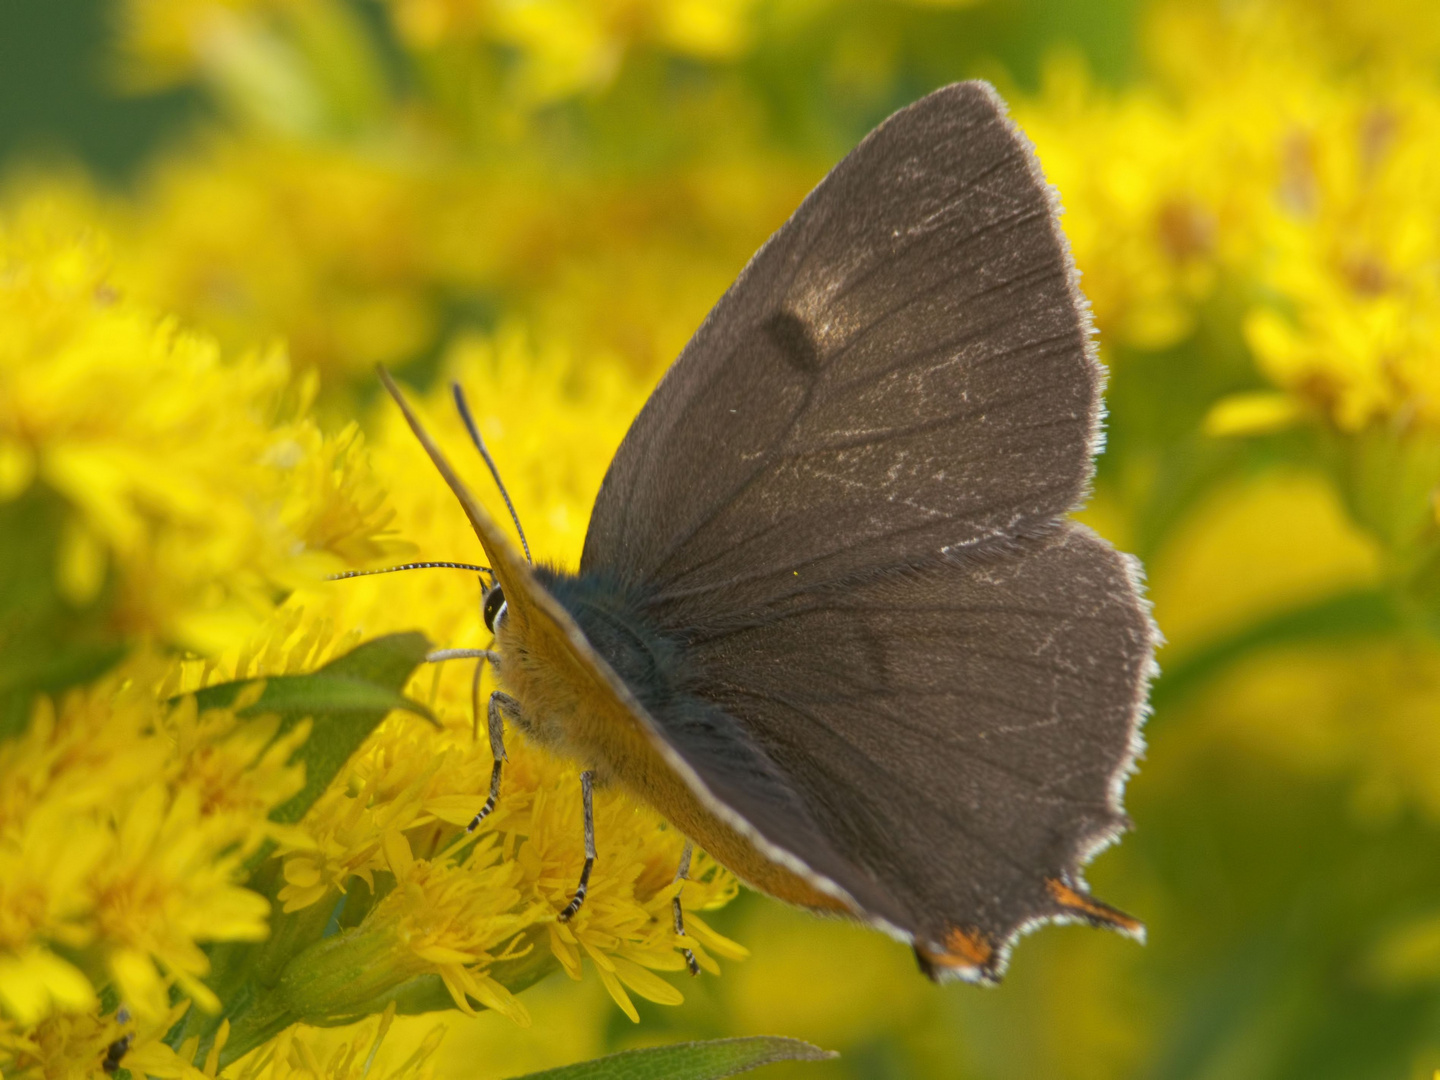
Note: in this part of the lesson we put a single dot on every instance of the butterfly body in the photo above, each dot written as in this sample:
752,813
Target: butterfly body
654,667
832,618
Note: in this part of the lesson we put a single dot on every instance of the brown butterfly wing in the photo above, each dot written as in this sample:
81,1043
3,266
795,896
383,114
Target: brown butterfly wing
905,366
963,729
865,455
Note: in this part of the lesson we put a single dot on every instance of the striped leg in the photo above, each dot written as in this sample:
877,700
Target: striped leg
499,703
587,783
683,874
483,656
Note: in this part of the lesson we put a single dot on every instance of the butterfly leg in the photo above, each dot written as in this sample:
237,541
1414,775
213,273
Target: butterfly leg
438,655
499,704
483,656
683,874
587,796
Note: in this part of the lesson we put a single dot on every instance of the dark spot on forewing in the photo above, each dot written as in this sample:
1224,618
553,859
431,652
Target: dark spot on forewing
792,337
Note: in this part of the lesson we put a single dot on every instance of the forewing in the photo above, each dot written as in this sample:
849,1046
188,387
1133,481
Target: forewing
905,367
964,731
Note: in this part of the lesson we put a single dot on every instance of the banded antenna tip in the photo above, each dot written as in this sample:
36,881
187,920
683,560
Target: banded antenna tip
411,566
471,427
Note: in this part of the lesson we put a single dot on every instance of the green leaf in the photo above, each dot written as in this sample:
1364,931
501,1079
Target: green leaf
346,699
689,1061
47,643
1386,475
1341,617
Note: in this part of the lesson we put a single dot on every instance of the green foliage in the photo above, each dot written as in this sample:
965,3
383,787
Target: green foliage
688,1061
47,641
346,699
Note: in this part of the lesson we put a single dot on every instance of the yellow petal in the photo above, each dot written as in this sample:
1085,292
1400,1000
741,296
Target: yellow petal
602,961
140,984
292,838
494,996
157,1059
1256,413
731,950
455,809
17,468
212,1060
612,984
397,854
236,914
454,979
35,983
646,983
80,569
565,951
198,992
249,694
296,899
439,954
142,823
302,873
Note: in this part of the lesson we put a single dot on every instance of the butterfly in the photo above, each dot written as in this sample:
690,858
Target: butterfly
832,619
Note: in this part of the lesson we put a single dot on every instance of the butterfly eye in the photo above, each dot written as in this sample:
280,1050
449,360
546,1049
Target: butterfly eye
494,601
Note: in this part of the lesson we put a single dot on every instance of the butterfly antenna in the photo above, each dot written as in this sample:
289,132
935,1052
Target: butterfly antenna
412,566
484,453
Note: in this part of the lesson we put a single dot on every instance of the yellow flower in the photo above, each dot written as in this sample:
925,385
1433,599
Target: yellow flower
1160,196
573,45
124,825
76,1046
34,982
238,769
299,1054
1202,42
625,925
1355,266
166,887
199,483
164,42
398,810
455,916
567,45
1341,172
347,255
254,238
402,780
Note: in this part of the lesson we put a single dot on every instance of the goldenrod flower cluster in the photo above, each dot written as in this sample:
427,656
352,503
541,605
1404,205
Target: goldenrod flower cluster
158,808
200,484
1268,165
148,869
1291,172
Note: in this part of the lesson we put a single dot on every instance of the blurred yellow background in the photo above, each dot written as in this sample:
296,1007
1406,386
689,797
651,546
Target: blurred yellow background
545,197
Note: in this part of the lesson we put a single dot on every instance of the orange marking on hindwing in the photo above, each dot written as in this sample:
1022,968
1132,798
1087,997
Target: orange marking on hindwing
963,949
1087,906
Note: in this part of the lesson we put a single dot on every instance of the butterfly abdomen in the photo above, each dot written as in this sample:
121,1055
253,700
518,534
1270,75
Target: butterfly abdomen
654,668
611,618
653,665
